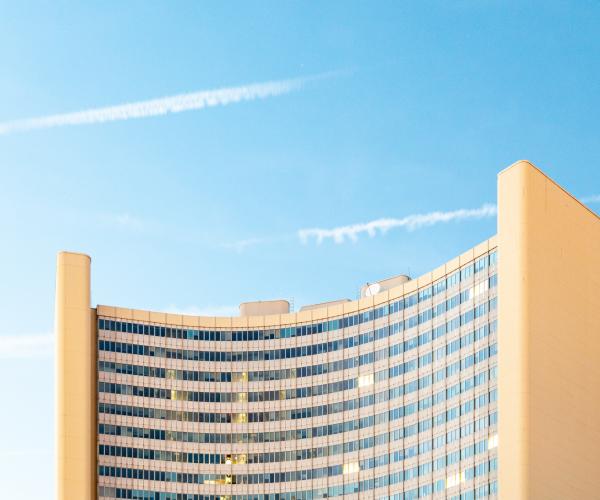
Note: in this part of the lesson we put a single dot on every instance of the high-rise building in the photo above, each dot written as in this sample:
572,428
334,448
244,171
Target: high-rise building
478,379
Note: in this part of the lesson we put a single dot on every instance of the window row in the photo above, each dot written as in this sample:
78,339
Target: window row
288,332
320,410
296,352
329,409
423,469
287,394
439,486
294,373
365,443
297,434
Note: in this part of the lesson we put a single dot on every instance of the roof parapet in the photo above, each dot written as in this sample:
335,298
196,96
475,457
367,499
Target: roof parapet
310,307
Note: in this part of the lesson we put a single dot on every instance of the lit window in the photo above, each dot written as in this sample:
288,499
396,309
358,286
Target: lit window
239,377
481,287
455,479
493,442
351,467
366,380
239,418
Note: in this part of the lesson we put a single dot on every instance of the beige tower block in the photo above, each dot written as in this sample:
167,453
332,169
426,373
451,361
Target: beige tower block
549,340
548,344
76,379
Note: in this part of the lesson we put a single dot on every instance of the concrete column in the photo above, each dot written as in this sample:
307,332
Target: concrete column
548,340
76,379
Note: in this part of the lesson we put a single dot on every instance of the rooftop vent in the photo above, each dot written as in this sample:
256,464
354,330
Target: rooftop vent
370,289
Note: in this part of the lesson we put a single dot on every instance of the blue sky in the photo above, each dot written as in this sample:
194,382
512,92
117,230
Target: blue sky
421,106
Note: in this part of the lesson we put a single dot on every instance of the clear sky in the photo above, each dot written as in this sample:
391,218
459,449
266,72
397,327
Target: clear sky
416,108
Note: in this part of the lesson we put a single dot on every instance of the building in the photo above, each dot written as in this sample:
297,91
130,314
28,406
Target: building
478,379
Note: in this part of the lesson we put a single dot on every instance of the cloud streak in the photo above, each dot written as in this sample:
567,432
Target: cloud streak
161,106
591,199
382,226
27,453
27,346
126,221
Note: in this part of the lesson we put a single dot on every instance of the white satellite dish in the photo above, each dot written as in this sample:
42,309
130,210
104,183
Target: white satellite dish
372,289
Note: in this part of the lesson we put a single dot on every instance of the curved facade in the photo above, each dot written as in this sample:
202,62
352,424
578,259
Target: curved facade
394,395
391,396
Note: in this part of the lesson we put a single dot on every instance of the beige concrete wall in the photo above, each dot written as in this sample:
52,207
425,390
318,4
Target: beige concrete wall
264,307
76,379
549,340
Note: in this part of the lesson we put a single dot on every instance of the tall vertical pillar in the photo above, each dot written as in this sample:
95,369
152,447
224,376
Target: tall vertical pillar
548,340
76,379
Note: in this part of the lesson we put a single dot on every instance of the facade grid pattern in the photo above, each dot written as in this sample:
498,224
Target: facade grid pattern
414,416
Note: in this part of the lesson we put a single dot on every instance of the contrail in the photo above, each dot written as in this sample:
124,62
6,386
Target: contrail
410,222
37,345
162,106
